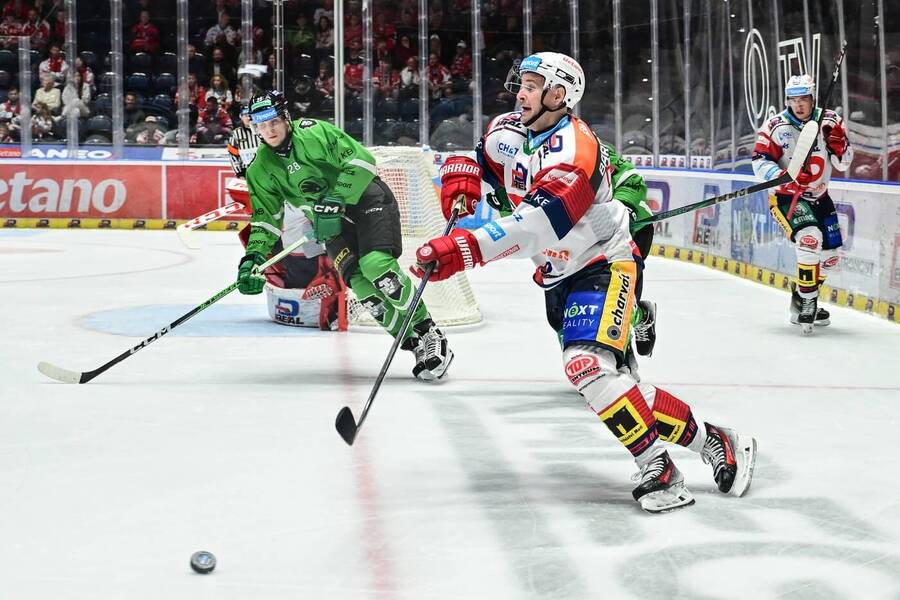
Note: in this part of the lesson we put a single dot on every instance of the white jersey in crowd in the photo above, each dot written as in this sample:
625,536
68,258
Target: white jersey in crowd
510,161
775,145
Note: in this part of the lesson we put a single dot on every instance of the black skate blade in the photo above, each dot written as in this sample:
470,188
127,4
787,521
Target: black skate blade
346,425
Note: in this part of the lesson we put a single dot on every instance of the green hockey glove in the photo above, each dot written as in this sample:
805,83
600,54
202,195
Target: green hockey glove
249,282
327,215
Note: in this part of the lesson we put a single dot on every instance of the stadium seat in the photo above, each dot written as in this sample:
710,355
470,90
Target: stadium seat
5,79
387,132
168,62
89,58
305,65
9,61
162,103
106,82
99,124
387,108
102,105
36,59
141,62
165,83
138,82
354,128
97,139
409,109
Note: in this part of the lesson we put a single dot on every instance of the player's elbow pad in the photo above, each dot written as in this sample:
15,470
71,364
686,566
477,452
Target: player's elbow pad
564,193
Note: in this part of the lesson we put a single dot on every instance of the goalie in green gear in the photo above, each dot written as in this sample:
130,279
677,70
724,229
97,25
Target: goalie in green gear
312,166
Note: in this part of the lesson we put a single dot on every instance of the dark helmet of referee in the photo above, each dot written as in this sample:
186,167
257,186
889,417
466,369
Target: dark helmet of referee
272,120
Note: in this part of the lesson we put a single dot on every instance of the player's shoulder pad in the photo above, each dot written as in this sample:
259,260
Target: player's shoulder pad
779,119
508,121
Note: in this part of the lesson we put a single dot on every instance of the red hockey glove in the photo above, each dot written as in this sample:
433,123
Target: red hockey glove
460,176
835,139
453,253
326,283
796,189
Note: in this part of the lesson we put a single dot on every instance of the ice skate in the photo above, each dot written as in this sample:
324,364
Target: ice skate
413,345
807,316
433,355
645,329
732,457
823,317
661,487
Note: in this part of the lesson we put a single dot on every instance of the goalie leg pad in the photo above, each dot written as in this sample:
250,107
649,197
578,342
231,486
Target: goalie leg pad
289,307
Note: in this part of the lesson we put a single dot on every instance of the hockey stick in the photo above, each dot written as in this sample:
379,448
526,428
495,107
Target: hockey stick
834,77
66,376
346,425
184,230
805,142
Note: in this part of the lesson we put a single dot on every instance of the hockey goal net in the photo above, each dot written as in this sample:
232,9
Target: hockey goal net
410,173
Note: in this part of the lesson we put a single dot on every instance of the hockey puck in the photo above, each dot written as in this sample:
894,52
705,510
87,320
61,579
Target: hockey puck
203,562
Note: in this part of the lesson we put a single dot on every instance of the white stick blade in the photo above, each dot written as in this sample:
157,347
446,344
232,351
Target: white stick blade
805,142
184,234
58,373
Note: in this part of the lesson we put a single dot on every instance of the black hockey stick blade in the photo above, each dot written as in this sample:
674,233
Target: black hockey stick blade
346,425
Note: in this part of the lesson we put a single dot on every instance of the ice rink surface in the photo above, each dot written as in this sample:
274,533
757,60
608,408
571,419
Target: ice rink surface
497,483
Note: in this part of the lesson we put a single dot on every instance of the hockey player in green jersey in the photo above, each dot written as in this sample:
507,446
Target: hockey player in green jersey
311,166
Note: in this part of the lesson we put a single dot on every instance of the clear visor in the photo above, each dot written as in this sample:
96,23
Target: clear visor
513,79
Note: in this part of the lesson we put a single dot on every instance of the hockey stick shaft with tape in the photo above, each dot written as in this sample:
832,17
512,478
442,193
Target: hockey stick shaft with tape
346,425
805,142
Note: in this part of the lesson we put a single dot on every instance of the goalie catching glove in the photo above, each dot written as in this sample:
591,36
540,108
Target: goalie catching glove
451,254
460,176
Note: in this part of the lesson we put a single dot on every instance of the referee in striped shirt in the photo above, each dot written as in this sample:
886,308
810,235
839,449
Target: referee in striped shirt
242,144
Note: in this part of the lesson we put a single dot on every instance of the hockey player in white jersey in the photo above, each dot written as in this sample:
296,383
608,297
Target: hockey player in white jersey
803,208
304,289
557,174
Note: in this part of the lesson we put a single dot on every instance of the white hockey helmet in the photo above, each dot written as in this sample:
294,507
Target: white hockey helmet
556,69
799,86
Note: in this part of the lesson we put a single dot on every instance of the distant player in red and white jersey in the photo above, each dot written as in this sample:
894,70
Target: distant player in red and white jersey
803,208
556,174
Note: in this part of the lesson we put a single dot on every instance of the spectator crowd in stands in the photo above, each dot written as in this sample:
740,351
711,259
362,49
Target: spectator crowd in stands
80,87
